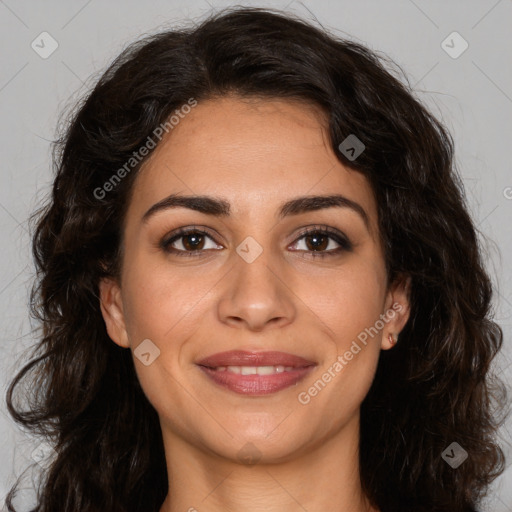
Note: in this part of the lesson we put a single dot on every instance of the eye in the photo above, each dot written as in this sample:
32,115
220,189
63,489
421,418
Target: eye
318,241
188,242
323,241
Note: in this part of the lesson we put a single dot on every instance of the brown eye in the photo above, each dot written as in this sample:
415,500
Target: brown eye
317,242
193,241
323,241
189,242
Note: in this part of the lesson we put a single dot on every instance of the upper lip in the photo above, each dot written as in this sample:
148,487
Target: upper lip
251,358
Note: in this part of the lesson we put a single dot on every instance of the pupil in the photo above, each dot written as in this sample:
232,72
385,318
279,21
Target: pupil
316,242
196,241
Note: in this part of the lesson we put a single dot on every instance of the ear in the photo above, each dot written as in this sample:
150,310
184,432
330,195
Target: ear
397,309
111,305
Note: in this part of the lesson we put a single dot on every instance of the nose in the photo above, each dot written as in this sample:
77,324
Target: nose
256,296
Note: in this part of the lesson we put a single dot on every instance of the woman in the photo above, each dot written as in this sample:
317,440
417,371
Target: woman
272,224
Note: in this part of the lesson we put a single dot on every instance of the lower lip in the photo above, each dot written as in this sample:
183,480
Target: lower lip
256,384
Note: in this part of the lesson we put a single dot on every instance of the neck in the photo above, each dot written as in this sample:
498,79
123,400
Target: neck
323,477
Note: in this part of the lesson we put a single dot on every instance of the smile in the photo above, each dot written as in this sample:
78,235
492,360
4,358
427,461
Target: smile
255,370
255,373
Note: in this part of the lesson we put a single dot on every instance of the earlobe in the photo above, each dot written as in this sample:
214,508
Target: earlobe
111,306
397,311
392,338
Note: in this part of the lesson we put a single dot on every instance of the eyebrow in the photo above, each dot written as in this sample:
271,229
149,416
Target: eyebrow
221,208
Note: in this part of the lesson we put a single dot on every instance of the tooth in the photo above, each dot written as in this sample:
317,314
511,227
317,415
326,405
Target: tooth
265,370
248,370
255,370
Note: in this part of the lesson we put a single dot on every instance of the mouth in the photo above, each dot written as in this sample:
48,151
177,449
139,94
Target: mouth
255,373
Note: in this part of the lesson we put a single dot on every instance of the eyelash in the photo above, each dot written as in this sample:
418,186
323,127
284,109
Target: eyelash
343,242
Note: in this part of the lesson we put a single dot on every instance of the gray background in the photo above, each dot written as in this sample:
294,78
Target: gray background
472,95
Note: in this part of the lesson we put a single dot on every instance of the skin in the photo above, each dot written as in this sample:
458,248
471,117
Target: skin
256,154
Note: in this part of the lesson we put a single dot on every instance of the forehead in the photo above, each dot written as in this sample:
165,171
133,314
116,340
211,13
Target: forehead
256,153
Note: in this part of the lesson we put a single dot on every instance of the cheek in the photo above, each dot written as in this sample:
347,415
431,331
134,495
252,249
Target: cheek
353,311
348,301
165,309
160,301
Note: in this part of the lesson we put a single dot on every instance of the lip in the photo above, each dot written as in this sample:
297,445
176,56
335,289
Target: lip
250,358
256,385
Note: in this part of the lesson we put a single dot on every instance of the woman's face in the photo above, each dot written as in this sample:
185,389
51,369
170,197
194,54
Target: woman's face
248,277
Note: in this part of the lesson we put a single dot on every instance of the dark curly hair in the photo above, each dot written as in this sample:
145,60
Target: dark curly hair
433,388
